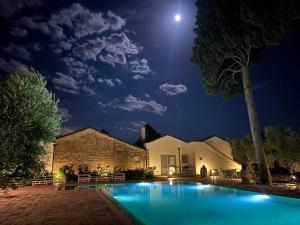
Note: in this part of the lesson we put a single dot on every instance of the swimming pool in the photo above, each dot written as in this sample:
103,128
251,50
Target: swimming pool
189,203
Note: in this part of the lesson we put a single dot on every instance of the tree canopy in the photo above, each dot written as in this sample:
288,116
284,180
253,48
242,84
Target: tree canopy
151,135
29,118
234,33
282,146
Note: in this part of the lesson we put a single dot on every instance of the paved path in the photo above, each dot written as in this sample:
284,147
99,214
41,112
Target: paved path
42,205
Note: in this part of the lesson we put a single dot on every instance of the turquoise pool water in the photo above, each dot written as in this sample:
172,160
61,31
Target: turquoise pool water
189,203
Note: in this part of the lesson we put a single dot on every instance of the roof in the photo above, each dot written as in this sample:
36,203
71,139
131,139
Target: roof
211,136
99,131
164,137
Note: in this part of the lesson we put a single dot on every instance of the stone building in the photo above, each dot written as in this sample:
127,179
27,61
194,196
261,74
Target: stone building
89,147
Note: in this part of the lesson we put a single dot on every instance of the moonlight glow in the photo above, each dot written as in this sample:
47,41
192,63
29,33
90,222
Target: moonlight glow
177,17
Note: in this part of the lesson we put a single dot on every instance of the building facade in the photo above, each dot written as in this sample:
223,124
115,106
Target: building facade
188,157
89,147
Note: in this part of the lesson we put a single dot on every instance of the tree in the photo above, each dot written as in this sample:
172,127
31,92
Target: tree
29,117
151,135
284,146
230,36
103,131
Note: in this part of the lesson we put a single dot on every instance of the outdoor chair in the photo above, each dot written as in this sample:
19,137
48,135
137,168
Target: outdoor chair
119,177
42,180
84,178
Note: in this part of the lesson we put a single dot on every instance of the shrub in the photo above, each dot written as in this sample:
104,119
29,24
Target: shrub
69,173
83,170
138,174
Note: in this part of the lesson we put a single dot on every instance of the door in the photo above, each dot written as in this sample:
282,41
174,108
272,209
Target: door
167,161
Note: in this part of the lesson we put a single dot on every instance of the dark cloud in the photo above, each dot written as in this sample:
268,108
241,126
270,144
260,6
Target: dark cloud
78,19
172,89
10,66
89,50
37,47
65,83
17,51
88,90
8,7
16,31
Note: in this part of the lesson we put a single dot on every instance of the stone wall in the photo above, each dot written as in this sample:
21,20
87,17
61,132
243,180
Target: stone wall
91,148
47,159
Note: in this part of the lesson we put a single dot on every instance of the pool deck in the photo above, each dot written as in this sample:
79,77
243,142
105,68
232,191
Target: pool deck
41,205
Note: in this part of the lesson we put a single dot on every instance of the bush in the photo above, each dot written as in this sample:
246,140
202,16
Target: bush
83,170
69,173
138,174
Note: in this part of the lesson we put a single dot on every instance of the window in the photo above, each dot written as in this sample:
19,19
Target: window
136,159
185,159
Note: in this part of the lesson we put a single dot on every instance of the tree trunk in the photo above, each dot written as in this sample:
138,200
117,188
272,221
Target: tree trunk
264,173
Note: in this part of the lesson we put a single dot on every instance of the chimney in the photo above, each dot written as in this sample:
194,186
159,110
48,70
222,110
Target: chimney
143,133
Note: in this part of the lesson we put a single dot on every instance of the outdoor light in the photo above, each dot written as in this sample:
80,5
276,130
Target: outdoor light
177,17
261,197
172,170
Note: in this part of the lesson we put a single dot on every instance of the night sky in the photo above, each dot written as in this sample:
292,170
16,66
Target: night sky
119,64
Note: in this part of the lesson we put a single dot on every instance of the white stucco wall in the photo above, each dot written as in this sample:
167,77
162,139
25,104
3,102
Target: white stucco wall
221,145
212,159
166,145
215,154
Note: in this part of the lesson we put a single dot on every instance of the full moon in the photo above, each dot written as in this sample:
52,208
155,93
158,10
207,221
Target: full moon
177,17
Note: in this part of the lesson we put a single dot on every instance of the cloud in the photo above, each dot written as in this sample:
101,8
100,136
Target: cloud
65,83
9,8
16,31
111,49
88,90
118,81
37,47
58,51
65,130
101,104
65,45
147,95
135,126
77,19
89,50
10,66
78,68
140,66
132,103
110,82
17,51
64,113
171,89
48,28
91,78
137,77
116,58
